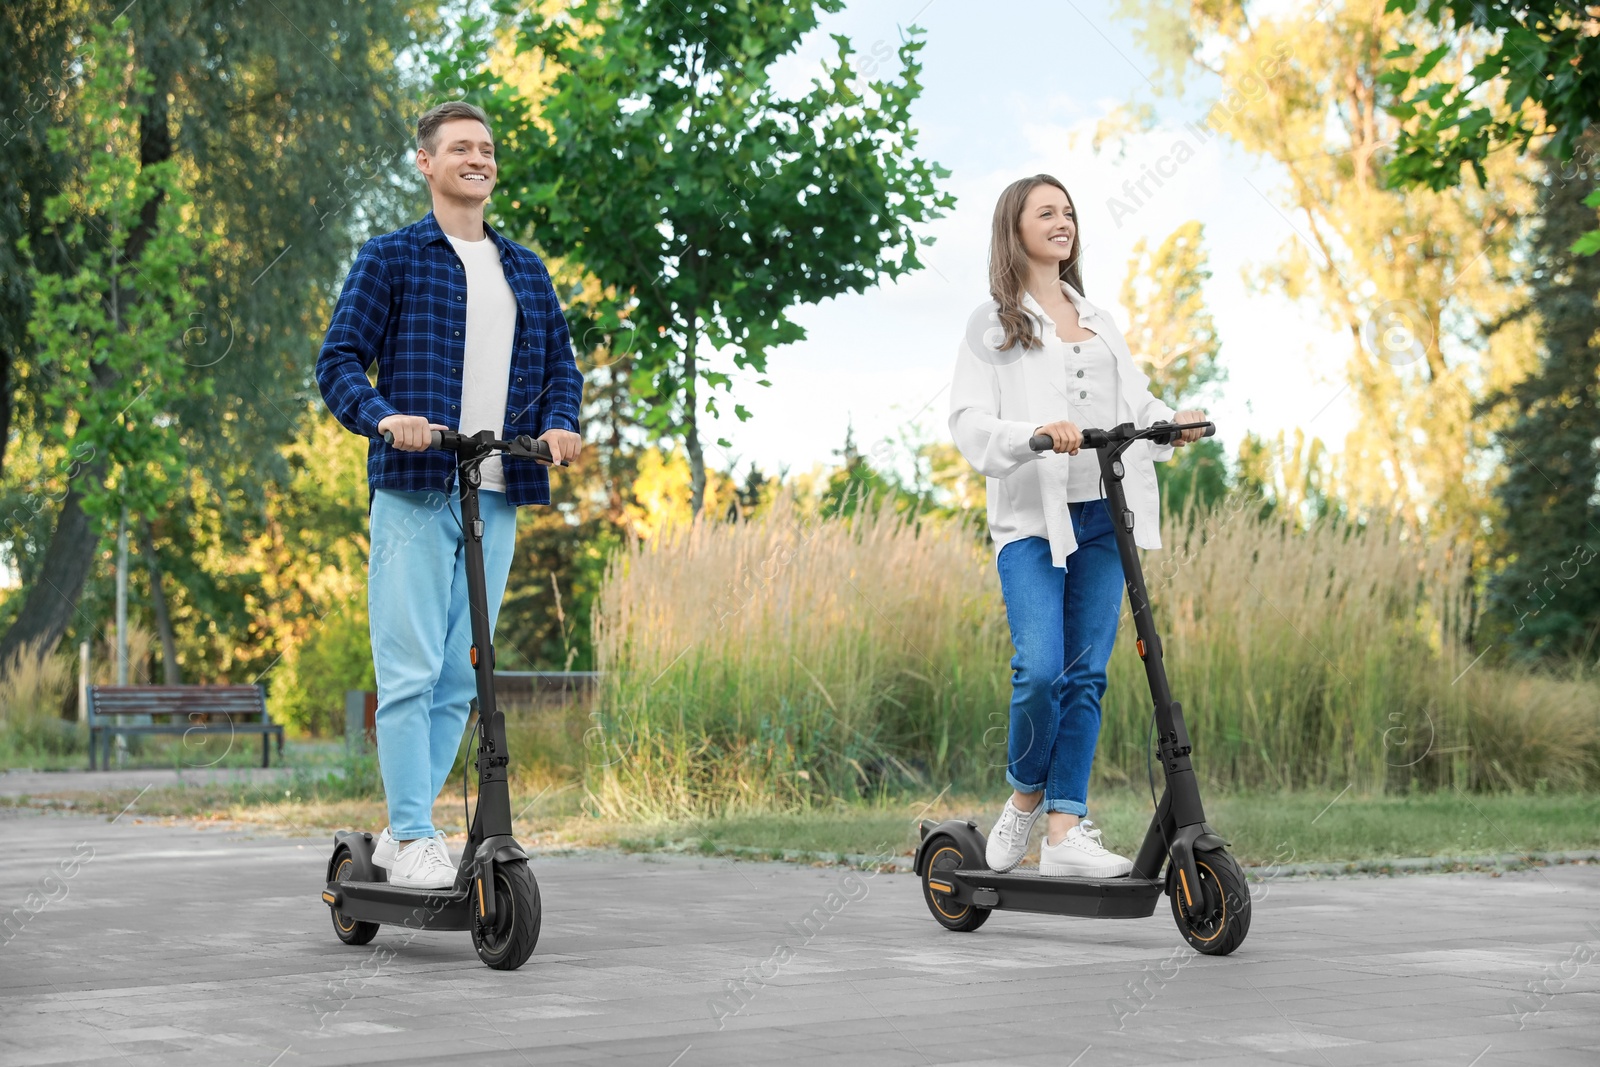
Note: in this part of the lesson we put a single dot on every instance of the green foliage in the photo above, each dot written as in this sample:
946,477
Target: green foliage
663,159
1195,477
855,485
108,334
1171,331
308,690
1545,58
1544,599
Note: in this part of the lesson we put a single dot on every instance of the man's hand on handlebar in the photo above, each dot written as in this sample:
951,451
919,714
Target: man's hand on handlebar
1189,436
564,445
412,433
1064,436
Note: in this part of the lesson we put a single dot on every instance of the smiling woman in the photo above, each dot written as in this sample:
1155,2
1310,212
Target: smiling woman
1058,366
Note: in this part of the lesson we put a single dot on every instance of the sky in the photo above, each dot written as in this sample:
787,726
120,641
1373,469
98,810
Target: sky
1014,91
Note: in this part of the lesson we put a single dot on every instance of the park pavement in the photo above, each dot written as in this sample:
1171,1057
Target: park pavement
133,944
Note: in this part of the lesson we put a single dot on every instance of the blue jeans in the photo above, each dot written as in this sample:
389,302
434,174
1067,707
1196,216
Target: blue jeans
421,636
1063,624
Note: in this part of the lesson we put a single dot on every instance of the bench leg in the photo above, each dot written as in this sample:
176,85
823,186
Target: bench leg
265,740
92,740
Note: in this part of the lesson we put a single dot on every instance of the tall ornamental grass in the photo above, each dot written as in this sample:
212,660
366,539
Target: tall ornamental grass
787,661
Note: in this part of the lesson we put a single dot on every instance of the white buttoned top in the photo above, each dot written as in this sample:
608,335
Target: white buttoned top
995,404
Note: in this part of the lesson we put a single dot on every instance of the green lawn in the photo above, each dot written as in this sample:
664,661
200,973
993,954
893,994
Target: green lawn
1263,828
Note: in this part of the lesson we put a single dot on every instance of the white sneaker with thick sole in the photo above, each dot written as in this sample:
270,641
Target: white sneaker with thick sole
384,849
1008,841
423,864
1081,855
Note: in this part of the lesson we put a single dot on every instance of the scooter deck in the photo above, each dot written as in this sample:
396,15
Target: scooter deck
420,909
1025,889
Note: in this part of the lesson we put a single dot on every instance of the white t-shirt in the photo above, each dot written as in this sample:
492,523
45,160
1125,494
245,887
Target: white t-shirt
491,328
1092,398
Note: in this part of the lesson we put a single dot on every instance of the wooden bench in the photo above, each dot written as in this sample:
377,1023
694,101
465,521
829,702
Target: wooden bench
178,709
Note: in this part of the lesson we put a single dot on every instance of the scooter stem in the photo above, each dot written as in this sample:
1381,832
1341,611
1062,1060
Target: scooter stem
1180,816
493,816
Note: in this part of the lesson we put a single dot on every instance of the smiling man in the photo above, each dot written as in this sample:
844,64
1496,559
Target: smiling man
467,335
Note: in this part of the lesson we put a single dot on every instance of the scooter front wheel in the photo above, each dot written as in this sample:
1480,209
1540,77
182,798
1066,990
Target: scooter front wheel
508,942
1218,922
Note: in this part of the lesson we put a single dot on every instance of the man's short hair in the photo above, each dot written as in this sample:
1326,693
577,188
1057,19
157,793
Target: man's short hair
428,125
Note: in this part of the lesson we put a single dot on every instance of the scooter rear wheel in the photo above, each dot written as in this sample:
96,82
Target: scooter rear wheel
1223,915
945,855
508,944
350,931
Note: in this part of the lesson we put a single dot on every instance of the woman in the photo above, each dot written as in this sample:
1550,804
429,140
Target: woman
1053,365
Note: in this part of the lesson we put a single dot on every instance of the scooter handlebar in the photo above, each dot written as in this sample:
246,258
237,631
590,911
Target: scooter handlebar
523,446
1094,438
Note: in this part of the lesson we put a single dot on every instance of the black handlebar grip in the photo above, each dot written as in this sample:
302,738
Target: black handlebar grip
1039,442
1211,430
438,438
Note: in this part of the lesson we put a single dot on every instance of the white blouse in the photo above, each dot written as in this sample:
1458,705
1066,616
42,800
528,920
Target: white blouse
1092,397
996,401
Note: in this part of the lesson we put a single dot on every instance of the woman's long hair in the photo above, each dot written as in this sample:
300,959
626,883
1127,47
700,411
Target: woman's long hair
1008,261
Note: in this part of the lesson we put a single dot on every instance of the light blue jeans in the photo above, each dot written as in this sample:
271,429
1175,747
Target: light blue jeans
1063,624
422,635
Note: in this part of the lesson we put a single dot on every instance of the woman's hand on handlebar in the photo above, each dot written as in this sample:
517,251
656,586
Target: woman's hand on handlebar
564,445
1064,436
1189,436
412,433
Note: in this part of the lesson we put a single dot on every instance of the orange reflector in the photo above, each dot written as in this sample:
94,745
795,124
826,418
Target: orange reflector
327,896
1184,878
941,886
481,909
474,655
1139,644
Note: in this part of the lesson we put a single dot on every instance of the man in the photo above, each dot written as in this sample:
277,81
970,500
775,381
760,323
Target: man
467,334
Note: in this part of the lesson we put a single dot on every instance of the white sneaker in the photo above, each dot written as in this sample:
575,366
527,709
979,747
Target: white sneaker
1008,841
383,851
423,864
1081,855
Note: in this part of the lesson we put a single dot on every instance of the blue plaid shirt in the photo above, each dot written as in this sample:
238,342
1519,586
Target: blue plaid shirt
404,306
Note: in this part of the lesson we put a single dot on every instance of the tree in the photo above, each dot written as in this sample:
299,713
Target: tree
1423,284
662,159
1545,58
1171,333
1545,598
35,38
290,154
108,333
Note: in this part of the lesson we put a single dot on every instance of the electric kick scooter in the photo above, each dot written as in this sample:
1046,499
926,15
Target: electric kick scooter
495,895
1210,900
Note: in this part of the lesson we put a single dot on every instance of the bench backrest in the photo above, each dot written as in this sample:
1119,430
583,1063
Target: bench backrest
239,701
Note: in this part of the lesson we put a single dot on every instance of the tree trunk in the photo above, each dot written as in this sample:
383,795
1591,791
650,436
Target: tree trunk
53,598
158,603
691,432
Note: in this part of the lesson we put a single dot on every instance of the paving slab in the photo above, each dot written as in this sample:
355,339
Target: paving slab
131,943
